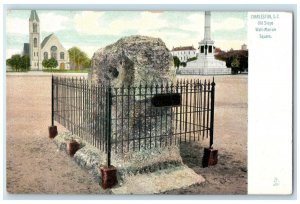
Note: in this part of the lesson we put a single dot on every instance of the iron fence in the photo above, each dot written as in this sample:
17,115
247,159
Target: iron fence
123,119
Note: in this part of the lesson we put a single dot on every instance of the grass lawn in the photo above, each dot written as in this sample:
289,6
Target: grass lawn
66,71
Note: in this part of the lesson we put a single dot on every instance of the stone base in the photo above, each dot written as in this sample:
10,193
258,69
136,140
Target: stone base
72,147
108,177
159,181
204,71
210,157
52,131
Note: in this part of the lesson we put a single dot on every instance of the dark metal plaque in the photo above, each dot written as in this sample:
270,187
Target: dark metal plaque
162,100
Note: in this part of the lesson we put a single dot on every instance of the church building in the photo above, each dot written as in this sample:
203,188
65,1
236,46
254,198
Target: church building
49,48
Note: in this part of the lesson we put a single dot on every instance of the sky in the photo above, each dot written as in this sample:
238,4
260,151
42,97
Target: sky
91,30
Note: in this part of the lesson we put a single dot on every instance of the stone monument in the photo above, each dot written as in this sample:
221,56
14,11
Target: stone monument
128,64
206,64
132,61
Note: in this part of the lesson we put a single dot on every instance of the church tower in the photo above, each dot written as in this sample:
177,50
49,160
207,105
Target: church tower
34,41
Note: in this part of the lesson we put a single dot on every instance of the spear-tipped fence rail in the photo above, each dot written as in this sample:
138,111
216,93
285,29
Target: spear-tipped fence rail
123,119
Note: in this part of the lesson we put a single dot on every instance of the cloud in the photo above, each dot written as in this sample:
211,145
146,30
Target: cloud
49,22
228,44
17,26
195,23
52,22
91,23
10,52
230,24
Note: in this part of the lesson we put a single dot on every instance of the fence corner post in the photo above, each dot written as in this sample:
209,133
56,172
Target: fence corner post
108,172
210,156
212,113
52,129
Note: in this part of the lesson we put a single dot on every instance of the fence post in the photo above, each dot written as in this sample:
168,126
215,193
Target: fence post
108,122
210,156
52,129
52,101
212,113
109,172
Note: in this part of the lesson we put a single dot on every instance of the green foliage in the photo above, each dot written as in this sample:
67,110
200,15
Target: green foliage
19,63
176,61
25,63
191,59
183,64
236,59
50,63
235,63
66,70
78,59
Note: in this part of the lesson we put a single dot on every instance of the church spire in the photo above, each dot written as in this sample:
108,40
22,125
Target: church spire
34,41
34,16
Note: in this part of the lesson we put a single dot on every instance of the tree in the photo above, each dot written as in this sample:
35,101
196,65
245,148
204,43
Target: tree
25,63
78,58
19,63
176,61
234,55
50,63
14,62
191,59
183,64
235,64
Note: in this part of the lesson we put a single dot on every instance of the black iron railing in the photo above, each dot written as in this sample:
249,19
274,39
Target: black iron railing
123,119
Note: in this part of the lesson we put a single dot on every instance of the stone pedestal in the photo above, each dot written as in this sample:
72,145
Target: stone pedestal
52,131
210,157
108,177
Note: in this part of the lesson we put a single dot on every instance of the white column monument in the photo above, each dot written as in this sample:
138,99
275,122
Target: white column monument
206,64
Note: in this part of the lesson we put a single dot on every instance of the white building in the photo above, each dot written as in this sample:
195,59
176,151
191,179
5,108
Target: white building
49,48
244,47
184,53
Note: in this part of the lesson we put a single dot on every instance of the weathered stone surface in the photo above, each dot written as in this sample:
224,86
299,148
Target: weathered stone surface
133,60
130,163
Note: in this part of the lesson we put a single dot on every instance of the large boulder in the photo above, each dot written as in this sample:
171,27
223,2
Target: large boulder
133,60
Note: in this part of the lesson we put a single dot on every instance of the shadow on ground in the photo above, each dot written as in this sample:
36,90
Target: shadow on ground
228,177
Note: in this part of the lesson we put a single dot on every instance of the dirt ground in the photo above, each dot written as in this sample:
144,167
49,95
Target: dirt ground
35,166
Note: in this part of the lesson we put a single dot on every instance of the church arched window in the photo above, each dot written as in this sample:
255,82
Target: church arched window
34,27
34,42
46,55
54,52
62,55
